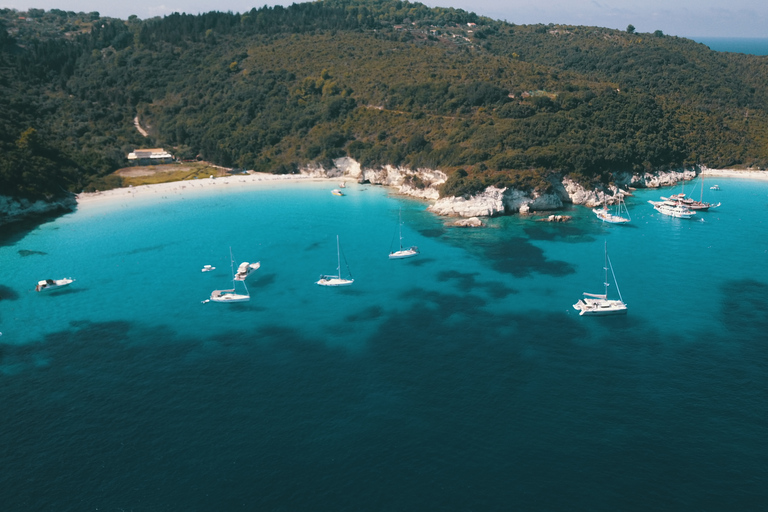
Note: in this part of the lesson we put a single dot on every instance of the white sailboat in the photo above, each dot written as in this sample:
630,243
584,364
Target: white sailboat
231,295
403,253
605,214
594,304
337,280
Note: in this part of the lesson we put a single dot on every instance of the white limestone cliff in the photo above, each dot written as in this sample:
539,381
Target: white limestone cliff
493,201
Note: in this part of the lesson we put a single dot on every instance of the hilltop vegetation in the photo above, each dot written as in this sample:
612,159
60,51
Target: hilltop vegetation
385,82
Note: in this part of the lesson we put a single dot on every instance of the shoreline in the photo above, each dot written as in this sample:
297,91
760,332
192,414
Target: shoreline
178,187
733,173
243,181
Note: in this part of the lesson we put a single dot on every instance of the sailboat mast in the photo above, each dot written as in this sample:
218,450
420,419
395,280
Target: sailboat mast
232,266
605,269
400,222
338,257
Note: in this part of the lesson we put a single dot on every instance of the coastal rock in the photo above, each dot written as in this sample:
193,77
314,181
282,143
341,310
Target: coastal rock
472,222
420,183
16,209
486,204
662,179
555,218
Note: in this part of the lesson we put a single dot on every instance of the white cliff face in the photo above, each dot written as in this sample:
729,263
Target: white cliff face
424,183
421,183
486,204
15,209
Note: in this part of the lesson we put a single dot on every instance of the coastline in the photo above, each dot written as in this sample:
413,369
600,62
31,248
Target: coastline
733,173
86,199
261,179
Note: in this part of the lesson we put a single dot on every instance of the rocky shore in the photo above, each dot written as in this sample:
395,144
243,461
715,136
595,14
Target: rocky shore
418,183
17,209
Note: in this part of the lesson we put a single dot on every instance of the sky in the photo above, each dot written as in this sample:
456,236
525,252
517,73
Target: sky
685,18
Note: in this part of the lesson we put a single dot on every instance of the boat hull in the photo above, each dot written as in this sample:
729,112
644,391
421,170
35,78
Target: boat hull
53,284
592,307
335,281
233,297
405,253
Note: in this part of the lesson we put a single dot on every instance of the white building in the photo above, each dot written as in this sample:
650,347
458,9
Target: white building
150,157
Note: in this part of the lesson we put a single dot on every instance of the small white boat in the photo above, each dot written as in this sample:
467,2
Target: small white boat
714,187
337,192
343,184
673,209
207,268
605,214
53,284
594,304
403,252
337,280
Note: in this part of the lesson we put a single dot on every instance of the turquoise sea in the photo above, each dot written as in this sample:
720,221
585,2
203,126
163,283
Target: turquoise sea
461,379
748,45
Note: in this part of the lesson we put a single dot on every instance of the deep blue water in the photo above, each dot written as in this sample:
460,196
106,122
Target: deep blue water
748,45
458,380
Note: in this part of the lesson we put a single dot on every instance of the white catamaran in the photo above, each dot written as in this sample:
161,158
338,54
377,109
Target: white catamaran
337,280
232,295
403,253
594,304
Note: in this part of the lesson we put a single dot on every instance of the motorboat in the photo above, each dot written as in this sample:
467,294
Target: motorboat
673,209
337,192
208,268
53,284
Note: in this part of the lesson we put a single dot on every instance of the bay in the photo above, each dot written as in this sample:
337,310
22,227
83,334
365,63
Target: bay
459,379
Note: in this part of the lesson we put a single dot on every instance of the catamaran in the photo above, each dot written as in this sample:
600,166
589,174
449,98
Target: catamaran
337,280
594,304
231,295
403,253
605,214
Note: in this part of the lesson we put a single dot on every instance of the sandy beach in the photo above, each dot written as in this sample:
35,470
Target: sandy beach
262,179
191,186
734,173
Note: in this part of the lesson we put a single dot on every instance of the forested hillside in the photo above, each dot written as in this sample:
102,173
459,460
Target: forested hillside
385,82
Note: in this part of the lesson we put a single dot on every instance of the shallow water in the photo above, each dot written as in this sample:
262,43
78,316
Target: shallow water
459,379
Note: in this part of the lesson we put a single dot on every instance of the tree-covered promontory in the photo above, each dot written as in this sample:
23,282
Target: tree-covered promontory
385,82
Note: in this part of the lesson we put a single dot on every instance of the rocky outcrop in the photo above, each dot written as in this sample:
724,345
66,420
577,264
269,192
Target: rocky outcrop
421,183
555,218
472,222
424,184
16,209
486,204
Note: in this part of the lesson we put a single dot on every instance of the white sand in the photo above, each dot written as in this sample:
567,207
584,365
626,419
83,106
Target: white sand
190,186
735,173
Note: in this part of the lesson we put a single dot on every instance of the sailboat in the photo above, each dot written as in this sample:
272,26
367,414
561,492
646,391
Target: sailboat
614,218
403,253
692,203
232,295
594,304
337,280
